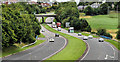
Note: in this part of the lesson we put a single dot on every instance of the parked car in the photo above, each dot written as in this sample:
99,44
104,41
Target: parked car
51,40
79,34
101,40
90,36
56,35
85,38
59,28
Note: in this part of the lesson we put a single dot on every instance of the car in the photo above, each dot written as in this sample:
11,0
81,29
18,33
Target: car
43,30
79,34
54,25
51,40
101,40
90,36
59,28
56,35
85,38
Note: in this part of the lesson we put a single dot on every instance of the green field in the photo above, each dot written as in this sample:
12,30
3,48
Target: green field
103,21
73,51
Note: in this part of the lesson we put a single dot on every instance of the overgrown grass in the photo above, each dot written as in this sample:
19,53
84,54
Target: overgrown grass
103,21
41,35
74,50
13,49
115,43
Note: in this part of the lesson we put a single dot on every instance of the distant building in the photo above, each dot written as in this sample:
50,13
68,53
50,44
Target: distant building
32,2
45,4
94,5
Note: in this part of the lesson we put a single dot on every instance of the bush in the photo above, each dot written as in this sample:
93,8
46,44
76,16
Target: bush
108,35
88,29
88,10
93,32
101,31
118,34
104,8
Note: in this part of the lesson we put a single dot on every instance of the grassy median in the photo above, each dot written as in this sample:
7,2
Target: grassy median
73,51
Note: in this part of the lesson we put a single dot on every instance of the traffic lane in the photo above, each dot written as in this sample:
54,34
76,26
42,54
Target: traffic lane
104,50
47,33
100,50
41,52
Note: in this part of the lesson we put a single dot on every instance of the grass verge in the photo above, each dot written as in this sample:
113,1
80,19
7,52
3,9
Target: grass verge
115,43
41,35
13,49
73,51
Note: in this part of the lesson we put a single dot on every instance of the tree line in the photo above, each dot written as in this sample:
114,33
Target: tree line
17,27
68,12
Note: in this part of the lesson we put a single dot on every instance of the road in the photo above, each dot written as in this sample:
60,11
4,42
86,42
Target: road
42,51
96,50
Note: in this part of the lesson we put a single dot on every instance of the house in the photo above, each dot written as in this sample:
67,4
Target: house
45,4
95,5
32,2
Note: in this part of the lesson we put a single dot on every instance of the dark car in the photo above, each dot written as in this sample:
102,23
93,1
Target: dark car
56,35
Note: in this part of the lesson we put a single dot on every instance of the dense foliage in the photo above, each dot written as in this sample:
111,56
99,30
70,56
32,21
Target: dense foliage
118,34
17,27
103,32
68,12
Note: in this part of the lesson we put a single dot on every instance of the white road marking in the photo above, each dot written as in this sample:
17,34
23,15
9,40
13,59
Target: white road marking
113,50
87,51
106,57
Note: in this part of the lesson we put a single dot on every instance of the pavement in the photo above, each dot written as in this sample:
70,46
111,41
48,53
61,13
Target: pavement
42,51
96,50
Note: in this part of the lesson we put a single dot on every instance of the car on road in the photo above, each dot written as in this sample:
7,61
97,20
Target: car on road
90,36
85,38
101,40
59,28
79,34
54,25
56,35
43,30
51,40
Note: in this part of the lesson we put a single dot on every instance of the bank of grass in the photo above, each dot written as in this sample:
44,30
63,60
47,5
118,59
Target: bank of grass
13,49
74,49
115,43
41,35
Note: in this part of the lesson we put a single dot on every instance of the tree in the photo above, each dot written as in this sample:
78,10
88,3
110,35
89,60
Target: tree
104,8
118,34
101,31
88,10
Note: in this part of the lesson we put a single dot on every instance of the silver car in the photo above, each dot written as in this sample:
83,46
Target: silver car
51,40
85,38
101,40
79,34
90,36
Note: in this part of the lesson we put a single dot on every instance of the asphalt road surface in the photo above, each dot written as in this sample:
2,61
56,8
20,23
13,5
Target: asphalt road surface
42,51
96,50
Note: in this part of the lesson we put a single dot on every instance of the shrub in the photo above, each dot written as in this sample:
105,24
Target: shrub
88,10
108,35
104,8
93,32
101,31
118,34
